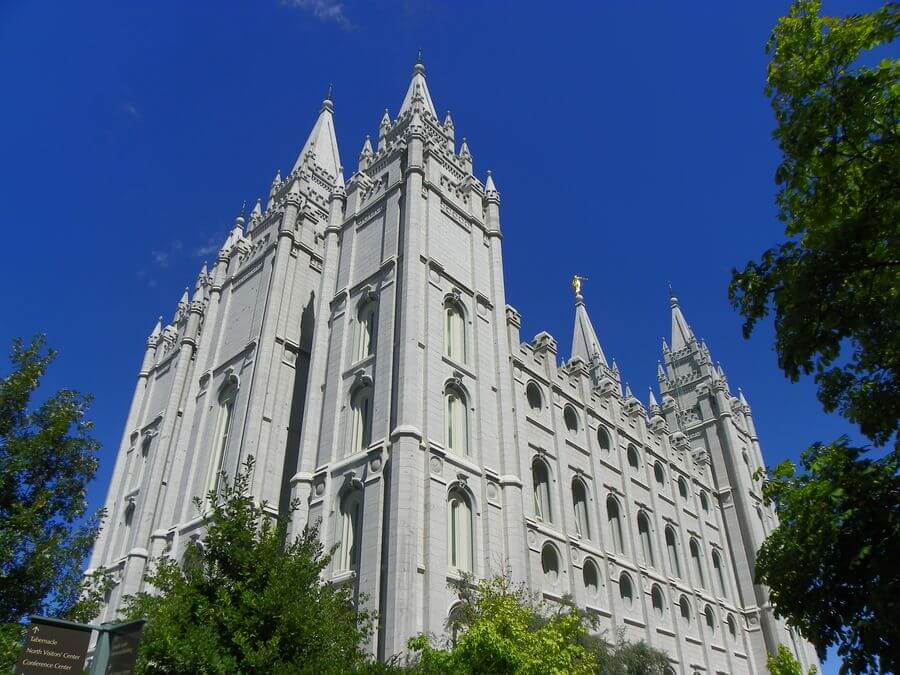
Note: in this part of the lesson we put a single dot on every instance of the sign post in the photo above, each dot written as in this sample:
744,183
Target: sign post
59,646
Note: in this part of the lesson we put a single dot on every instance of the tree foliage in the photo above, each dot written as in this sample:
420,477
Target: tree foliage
47,458
832,563
784,663
501,628
834,285
247,601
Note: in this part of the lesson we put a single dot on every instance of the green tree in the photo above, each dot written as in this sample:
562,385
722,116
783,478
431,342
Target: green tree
784,663
834,285
832,563
501,628
47,457
248,601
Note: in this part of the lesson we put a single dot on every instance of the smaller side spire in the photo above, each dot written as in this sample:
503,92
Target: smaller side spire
652,401
682,334
365,155
157,329
585,345
465,156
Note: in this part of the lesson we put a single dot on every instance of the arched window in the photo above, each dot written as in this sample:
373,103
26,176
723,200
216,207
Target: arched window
361,424
126,529
348,551
570,417
749,467
550,563
365,330
454,331
710,619
633,460
220,440
646,539
626,590
682,487
732,627
535,399
603,439
656,599
720,573
659,474
455,623
580,502
685,609
591,577
704,501
540,477
696,562
145,454
461,531
457,421
615,524
672,550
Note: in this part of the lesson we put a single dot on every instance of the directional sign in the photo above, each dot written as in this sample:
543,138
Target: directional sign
123,648
53,648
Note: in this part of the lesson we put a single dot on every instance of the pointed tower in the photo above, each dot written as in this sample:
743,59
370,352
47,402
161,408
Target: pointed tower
585,345
699,408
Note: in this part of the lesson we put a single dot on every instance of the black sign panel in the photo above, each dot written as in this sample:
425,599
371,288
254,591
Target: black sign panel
123,648
51,648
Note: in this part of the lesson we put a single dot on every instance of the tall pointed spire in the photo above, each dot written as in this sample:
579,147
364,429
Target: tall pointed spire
681,331
322,140
418,90
585,344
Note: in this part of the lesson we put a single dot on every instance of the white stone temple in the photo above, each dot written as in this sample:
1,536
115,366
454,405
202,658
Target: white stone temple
354,337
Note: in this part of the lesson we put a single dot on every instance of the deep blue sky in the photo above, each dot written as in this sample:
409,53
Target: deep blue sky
630,142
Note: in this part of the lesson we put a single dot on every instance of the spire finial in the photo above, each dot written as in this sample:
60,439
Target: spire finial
329,92
672,299
576,286
420,64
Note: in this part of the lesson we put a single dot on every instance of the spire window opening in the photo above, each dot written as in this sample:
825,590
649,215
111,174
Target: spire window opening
704,501
580,504
614,521
656,600
626,590
634,460
672,550
457,412
646,539
697,563
535,398
461,531
365,334
719,574
683,488
710,619
685,609
224,420
348,550
591,577
540,478
550,563
361,423
603,439
454,331
659,474
570,417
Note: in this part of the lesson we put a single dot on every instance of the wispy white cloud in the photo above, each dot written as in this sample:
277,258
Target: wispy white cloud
329,11
131,110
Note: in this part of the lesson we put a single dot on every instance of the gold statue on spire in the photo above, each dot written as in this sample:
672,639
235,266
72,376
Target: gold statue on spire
576,284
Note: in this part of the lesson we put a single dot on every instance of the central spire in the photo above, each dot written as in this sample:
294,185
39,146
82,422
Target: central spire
585,344
681,331
322,141
418,90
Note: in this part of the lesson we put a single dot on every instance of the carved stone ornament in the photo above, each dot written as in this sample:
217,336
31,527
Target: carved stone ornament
437,466
351,481
320,488
492,491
